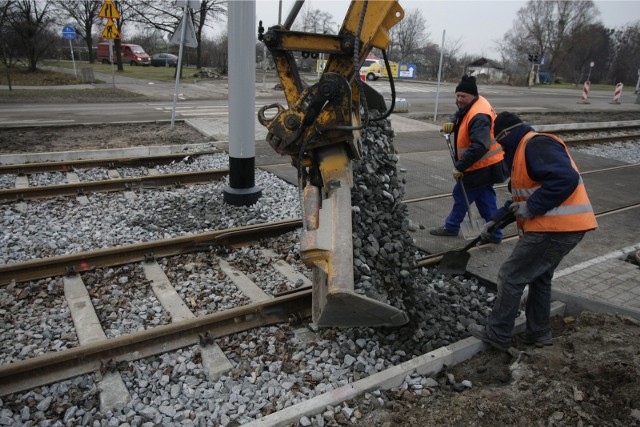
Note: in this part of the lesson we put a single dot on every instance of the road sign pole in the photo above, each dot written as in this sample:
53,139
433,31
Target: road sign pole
75,73
113,73
435,111
179,65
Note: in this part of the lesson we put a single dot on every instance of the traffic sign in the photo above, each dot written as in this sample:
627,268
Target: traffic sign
111,31
109,10
189,34
191,4
69,32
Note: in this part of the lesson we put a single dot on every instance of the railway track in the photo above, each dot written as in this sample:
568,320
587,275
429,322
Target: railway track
68,183
256,306
119,365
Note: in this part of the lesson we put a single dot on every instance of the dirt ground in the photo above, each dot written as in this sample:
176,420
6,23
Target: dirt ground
95,137
91,137
589,377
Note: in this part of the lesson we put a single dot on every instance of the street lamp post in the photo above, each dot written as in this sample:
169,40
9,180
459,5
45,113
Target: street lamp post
590,67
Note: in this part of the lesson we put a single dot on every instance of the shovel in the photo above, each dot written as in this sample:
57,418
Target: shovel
455,262
472,227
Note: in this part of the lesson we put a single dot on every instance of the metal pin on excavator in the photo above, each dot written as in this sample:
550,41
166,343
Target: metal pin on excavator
320,130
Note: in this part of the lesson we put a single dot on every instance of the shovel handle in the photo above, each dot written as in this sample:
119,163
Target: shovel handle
447,137
505,219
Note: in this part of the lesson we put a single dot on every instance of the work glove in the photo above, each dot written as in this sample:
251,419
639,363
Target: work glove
457,175
521,210
447,128
485,233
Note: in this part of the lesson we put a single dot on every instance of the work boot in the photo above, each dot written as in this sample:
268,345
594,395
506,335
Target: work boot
480,332
527,339
441,231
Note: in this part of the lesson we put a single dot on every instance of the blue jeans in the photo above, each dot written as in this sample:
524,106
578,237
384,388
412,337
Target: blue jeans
484,198
532,262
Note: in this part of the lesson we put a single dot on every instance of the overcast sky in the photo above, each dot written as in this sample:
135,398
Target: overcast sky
476,25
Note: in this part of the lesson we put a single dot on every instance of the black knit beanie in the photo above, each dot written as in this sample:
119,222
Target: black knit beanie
468,85
505,120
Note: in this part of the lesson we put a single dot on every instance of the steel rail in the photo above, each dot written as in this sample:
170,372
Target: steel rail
601,139
110,162
583,128
105,354
435,258
446,195
119,184
85,261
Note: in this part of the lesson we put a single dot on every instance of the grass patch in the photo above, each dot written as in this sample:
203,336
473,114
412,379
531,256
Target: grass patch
57,96
21,77
135,71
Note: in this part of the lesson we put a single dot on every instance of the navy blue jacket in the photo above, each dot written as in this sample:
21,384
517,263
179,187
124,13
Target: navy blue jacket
547,163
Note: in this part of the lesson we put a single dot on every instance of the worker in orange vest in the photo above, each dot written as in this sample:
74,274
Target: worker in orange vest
478,158
553,213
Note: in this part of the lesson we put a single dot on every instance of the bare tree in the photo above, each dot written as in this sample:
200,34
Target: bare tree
210,10
584,45
625,61
126,10
543,27
409,35
31,20
317,21
85,14
8,40
165,16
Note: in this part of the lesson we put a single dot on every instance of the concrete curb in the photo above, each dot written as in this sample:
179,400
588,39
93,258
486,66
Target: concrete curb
61,156
427,364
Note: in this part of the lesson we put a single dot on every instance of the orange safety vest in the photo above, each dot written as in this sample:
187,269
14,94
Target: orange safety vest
574,214
495,153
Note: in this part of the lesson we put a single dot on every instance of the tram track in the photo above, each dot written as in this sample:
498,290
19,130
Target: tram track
627,131
127,348
434,258
112,185
97,352
84,261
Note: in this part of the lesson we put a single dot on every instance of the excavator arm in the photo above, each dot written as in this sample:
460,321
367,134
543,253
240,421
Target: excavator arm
321,130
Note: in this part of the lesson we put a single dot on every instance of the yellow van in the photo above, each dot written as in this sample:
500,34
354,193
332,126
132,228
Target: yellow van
371,69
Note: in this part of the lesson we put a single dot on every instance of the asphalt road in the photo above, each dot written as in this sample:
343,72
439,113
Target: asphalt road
206,98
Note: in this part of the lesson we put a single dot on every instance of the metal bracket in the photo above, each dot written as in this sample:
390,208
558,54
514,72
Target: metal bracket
208,338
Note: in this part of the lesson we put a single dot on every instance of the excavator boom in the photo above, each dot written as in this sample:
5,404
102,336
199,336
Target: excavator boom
321,130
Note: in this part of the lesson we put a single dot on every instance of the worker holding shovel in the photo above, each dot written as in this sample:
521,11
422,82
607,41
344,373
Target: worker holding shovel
477,160
553,213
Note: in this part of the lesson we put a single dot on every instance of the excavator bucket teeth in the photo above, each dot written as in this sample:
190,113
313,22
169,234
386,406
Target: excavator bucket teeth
327,246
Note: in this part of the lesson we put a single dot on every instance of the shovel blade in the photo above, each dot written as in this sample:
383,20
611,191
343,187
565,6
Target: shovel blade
471,228
454,262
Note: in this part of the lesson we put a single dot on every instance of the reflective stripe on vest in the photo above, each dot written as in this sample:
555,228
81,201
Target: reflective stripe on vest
574,214
495,153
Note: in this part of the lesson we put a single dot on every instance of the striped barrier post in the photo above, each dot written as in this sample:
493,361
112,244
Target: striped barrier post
617,93
585,93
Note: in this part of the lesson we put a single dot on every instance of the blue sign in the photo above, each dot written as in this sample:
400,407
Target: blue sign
408,71
69,32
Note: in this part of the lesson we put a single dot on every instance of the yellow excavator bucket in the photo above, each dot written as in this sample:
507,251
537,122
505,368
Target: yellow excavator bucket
321,132
326,244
